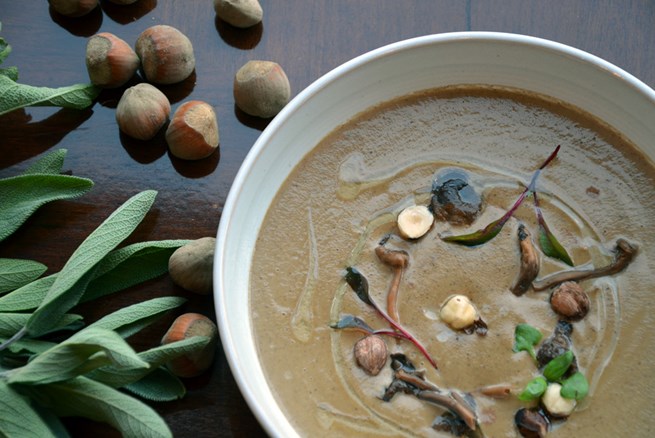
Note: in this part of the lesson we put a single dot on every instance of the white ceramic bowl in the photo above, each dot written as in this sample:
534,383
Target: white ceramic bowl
545,67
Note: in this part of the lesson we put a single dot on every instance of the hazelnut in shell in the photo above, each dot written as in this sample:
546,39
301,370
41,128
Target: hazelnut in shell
110,61
142,111
73,8
570,301
191,266
261,88
166,54
371,354
186,326
193,131
239,13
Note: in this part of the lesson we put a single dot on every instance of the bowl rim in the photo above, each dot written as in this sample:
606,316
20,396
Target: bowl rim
229,343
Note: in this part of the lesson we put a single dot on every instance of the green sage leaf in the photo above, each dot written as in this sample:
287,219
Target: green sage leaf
29,347
525,338
86,398
534,389
575,387
116,228
83,352
27,297
5,50
160,385
155,357
10,72
130,320
557,367
14,95
18,417
15,273
22,195
51,163
10,323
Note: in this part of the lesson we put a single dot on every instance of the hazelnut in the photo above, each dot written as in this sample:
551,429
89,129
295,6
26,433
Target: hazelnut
191,266
555,404
570,301
110,61
166,54
193,131
142,111
413,222
239,13
186,326
261,88
73,8
371,354
458,312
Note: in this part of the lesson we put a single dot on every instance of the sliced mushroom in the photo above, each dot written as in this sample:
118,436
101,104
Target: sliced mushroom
529,263
397,260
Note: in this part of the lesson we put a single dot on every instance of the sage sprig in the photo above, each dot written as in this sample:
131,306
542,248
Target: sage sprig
15,273
18,417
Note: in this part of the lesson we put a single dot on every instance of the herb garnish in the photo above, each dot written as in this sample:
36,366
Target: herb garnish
525,338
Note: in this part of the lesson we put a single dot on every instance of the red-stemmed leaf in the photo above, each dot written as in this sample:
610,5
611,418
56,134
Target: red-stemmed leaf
547,240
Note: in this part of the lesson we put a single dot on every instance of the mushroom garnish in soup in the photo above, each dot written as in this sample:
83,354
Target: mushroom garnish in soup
542,250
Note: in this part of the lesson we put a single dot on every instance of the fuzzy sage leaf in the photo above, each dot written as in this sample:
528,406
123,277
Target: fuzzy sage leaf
116,228
10,323
83,352
22,195
86,398
51,163
18,417
15,273
160,385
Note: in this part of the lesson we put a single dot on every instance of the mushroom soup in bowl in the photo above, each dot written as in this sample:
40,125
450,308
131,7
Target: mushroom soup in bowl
524,306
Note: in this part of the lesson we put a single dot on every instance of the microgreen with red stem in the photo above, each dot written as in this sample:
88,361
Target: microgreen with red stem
359,285
492,229
547,240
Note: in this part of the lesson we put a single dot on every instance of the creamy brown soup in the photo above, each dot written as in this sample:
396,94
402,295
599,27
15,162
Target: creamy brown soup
344,197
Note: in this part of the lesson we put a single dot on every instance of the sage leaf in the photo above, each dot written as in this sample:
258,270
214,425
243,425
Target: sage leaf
18,417
29,347
575,387
352,322
116,228
15,273
359,284
83,352
22,195
130,320
86,398
27,297
53,422
155,357
159,386
10,72
547,240
10,323
131,265
14,95
51,163
534,389
557,367
525,338
5,50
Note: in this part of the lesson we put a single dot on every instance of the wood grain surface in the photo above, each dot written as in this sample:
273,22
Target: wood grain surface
307,38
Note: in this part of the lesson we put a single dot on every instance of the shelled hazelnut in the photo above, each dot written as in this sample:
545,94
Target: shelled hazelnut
570,301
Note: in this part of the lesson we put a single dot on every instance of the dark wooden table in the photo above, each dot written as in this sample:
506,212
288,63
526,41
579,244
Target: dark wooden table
308,38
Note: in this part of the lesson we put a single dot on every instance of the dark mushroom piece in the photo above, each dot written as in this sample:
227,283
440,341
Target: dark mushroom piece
396,260
529,268
532,423
557,344
624,253
453,199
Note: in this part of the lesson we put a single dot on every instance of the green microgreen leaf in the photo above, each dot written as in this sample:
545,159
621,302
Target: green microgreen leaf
5,50
160,385
22,195
18,417
155,357
14,95
15,273
131,319
359,284
534,389
547,240
525,338
10,72
82,397
51,163
65,291
487,233
557,367
575,387
352,322
83,352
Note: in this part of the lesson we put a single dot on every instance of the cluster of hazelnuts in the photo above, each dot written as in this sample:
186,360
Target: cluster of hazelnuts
165,56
